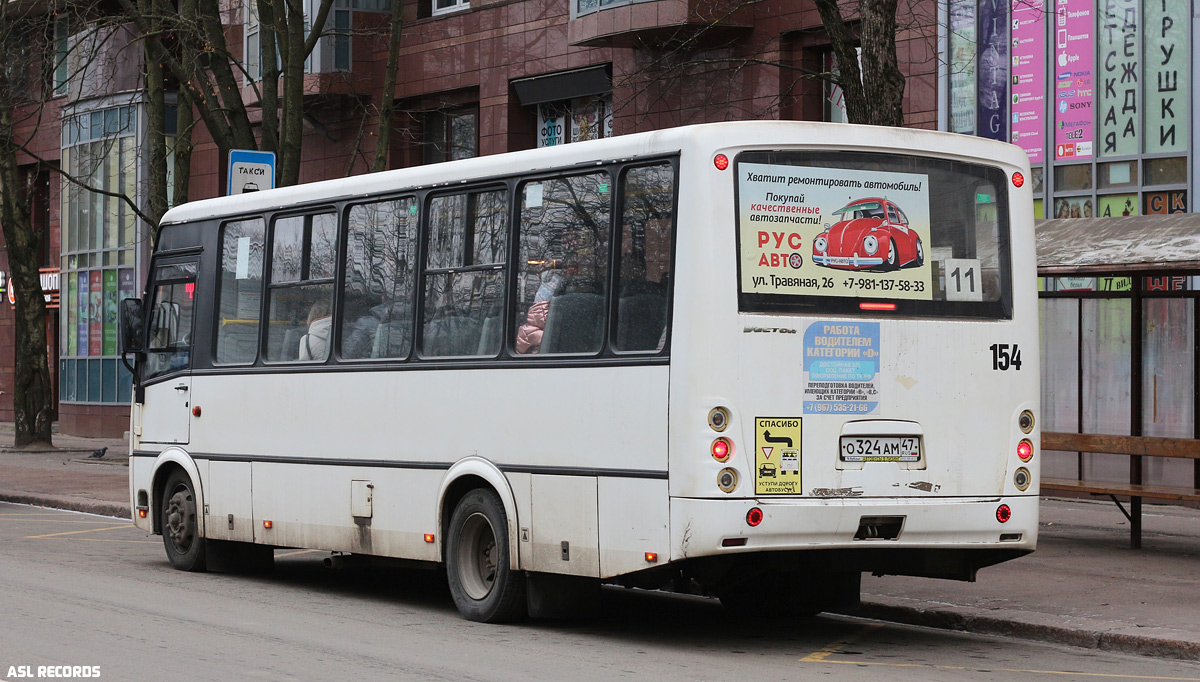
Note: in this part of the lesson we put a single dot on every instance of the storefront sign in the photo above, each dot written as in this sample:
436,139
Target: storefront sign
992,115
962,66
1029,77
1120,66
49,281
1167,79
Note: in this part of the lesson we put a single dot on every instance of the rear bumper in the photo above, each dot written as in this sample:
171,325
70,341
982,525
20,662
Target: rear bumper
708,527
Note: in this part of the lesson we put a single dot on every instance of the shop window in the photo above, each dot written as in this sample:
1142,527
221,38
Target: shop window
99,249
1073,207
1166,171
1117,174
1072,178
574,120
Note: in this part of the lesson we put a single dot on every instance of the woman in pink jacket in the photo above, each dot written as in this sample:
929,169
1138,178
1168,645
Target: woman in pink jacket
529,335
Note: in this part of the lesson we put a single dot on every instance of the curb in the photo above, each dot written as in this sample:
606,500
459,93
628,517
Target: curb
68,503
945,619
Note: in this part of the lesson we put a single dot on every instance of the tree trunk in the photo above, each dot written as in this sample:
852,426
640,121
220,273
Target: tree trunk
156,107
875,93
383,140
32,398
883,82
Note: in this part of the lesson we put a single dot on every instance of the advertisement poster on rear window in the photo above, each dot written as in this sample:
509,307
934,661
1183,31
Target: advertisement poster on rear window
832,232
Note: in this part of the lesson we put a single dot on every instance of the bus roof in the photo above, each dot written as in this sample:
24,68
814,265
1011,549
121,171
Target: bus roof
729,137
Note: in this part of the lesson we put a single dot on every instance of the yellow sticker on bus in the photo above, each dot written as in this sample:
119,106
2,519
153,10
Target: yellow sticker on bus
777,455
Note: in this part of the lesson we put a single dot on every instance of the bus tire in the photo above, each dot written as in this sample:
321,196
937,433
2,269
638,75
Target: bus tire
484,586
180,524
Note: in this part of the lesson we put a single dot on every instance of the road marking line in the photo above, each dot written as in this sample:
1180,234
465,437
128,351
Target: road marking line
818,656
134,542
302,551
1076,673
74,521
73,532
37,514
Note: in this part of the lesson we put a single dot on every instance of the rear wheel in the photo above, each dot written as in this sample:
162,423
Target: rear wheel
180,526
484,587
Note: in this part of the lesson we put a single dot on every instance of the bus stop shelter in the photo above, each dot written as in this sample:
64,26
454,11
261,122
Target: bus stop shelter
1119,344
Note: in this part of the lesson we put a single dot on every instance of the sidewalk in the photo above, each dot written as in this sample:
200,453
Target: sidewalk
1083,587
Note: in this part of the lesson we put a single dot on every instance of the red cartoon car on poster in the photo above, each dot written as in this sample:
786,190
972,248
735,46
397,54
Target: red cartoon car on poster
873,234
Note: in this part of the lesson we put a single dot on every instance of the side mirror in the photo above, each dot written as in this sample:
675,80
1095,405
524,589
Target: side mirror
132,326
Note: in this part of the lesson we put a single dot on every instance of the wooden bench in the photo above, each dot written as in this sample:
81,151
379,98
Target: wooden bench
1135,447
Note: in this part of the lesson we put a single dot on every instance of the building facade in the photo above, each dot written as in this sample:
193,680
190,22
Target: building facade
489,76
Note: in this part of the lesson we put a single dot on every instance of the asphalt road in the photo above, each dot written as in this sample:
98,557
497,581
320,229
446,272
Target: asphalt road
93,591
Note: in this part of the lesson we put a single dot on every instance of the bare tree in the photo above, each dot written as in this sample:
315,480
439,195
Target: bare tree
19,87
192,46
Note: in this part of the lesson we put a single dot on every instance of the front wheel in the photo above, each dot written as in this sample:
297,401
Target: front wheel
892,258
180,527
484,587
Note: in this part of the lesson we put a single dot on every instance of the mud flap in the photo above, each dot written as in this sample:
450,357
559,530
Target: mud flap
550,595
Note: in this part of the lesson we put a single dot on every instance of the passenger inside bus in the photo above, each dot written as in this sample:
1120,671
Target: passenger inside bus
315,344
529,335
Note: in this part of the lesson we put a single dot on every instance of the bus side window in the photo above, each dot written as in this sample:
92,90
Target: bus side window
303,249
239,299
381,257
563,264
464,272
647,223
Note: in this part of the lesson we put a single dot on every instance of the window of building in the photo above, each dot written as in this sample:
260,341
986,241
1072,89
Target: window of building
333,51
464,274
62,51
582,7
450,135
447,6
99,251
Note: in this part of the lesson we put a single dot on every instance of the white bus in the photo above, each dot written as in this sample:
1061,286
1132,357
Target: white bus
751,359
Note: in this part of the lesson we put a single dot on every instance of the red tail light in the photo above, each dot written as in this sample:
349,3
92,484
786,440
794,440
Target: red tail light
721,449
1003,513
754,516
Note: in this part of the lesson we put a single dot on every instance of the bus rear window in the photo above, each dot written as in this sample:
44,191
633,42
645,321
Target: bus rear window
827,232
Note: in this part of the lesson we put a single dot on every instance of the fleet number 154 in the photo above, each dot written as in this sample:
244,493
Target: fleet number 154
1004,358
